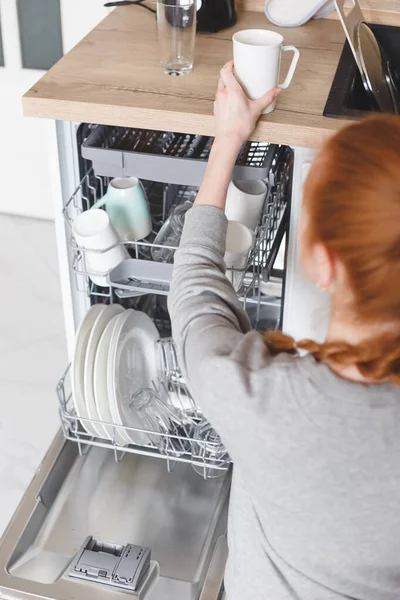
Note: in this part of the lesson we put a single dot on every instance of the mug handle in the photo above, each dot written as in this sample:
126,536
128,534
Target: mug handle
100,202
292,68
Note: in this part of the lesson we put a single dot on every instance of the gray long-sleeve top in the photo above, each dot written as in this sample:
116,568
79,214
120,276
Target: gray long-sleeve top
315,504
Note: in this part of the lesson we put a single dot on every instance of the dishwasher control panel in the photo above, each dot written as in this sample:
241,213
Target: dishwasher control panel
110,564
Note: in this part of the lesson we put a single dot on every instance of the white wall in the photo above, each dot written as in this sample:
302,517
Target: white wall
28,149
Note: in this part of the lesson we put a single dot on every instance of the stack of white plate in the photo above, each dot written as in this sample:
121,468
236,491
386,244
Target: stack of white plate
115,356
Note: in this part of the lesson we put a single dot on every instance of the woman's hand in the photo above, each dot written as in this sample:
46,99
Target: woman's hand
235,118
235,114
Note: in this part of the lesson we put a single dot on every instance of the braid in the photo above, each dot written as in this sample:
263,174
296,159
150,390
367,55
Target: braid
278,342
376,359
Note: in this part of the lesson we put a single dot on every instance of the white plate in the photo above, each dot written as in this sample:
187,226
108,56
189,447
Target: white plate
132,366
111,392
98,327
100,385
78,364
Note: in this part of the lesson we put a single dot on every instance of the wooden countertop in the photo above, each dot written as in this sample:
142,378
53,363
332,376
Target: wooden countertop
113,77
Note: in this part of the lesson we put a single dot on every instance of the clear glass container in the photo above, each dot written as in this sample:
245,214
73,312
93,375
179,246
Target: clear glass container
176,35
170,234
168,426
210,459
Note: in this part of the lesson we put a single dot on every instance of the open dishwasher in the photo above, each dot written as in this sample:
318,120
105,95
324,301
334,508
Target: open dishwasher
106,520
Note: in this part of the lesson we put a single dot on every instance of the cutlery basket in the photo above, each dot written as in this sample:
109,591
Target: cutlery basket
166,156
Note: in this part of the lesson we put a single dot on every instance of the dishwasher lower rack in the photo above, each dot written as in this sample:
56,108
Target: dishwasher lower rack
133,278
208,458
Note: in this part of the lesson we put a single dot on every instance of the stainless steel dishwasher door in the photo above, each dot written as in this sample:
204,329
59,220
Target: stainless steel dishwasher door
178,515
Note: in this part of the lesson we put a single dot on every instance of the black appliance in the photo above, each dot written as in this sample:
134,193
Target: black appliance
215,15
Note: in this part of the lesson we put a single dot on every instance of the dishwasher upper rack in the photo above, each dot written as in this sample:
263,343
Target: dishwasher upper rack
167,157
92,187
268,234
171,377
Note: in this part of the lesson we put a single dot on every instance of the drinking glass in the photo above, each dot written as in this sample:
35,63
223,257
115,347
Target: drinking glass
163,421
176,35
170,371
170,234
210,459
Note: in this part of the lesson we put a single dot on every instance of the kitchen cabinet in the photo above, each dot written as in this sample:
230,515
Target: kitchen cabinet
113,78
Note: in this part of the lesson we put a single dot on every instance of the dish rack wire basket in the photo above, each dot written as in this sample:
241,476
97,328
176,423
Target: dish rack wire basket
162,198
209,458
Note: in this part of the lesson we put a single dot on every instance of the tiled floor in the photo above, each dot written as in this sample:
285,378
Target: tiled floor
32,352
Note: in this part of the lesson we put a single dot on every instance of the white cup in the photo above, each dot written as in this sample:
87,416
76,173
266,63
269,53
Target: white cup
102,246
257,59
239,241
126,203
245,201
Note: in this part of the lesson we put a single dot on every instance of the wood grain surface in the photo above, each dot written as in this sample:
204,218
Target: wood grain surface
113,76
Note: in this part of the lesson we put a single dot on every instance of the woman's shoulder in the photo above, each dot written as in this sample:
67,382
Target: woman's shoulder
308,374
251,369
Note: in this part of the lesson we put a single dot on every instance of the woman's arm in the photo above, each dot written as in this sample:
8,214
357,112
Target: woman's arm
235,119
208,320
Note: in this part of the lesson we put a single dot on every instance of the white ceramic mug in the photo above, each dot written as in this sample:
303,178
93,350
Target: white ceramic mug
128,208
257,58
102,246
239,241
245,201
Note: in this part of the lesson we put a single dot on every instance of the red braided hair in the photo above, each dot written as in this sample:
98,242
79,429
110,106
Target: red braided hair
353,207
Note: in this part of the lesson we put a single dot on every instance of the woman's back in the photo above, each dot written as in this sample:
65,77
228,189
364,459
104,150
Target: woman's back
315,508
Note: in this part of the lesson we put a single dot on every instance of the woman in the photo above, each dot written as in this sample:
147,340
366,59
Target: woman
315,505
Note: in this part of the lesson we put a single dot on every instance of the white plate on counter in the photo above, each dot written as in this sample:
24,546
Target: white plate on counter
78,365
98,328
132,366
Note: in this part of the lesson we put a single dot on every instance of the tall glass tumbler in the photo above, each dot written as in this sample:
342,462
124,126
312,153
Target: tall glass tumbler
176,35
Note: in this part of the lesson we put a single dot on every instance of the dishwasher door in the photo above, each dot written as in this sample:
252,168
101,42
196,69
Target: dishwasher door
179,516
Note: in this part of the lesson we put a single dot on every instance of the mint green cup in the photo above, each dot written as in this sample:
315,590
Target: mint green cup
127,206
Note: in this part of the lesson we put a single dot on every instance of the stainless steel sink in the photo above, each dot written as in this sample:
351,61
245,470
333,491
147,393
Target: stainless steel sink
178,515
